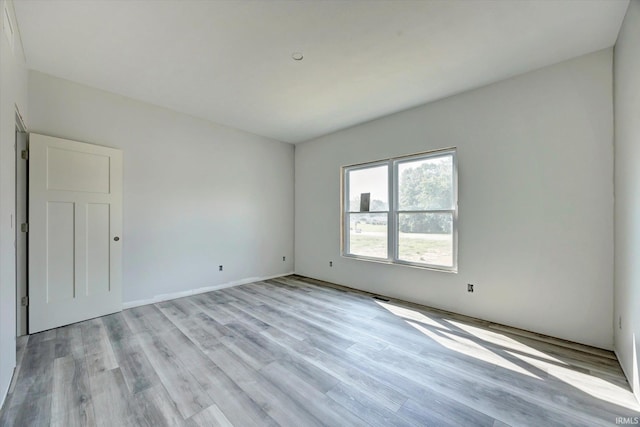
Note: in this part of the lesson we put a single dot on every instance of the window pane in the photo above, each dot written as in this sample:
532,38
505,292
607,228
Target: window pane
373,181
368,235
426,238
426,184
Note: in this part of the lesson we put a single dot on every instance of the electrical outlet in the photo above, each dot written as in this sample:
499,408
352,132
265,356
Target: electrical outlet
220,268
330,263
469,287
284,258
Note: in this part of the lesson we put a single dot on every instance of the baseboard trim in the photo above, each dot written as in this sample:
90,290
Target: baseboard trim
182,294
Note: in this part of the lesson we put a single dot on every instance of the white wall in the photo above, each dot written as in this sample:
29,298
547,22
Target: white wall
627,184
13,92
196,194
535,160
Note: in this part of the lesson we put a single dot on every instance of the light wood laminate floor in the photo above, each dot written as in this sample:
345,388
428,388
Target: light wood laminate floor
297,352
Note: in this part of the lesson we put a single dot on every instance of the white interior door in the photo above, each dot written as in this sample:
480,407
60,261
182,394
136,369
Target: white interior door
75,225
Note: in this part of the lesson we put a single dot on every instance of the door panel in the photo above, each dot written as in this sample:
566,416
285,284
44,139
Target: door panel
97,248
60,267
75,212
90,172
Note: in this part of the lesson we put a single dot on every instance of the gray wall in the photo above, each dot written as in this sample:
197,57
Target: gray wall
196,195
13,90
535,157
627,184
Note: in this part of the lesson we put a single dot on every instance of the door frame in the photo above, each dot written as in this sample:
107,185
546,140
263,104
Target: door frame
21,215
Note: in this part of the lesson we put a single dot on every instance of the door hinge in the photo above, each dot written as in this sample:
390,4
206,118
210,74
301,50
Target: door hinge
24,301
24,154
24,227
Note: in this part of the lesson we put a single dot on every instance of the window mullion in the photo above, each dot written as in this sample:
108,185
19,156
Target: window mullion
346,215
393,217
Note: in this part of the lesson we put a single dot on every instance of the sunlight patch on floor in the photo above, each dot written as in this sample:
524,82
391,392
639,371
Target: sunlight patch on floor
504,341
586,382
471,349
445,332
409,314
492,337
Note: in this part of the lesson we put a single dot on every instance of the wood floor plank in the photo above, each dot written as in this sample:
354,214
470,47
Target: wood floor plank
117,327
236,405
485,397
318,404
204,332
21,346
441,412
69,342
112,402
71,397
322,318
350,301
536,382
37,411
136,369
221,386
312,362
339,368
154,408
216,310
184,389
147,318
418,342
322,380
300,352
359,403
241,297
138,373
31,398
275,402
309,329
243,314
316,301
97,345
210,417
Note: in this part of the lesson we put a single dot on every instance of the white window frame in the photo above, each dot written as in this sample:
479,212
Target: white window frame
393,213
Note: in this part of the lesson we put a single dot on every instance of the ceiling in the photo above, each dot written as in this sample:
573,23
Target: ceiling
230,61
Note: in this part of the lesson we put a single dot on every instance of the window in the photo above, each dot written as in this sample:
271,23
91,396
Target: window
403,210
